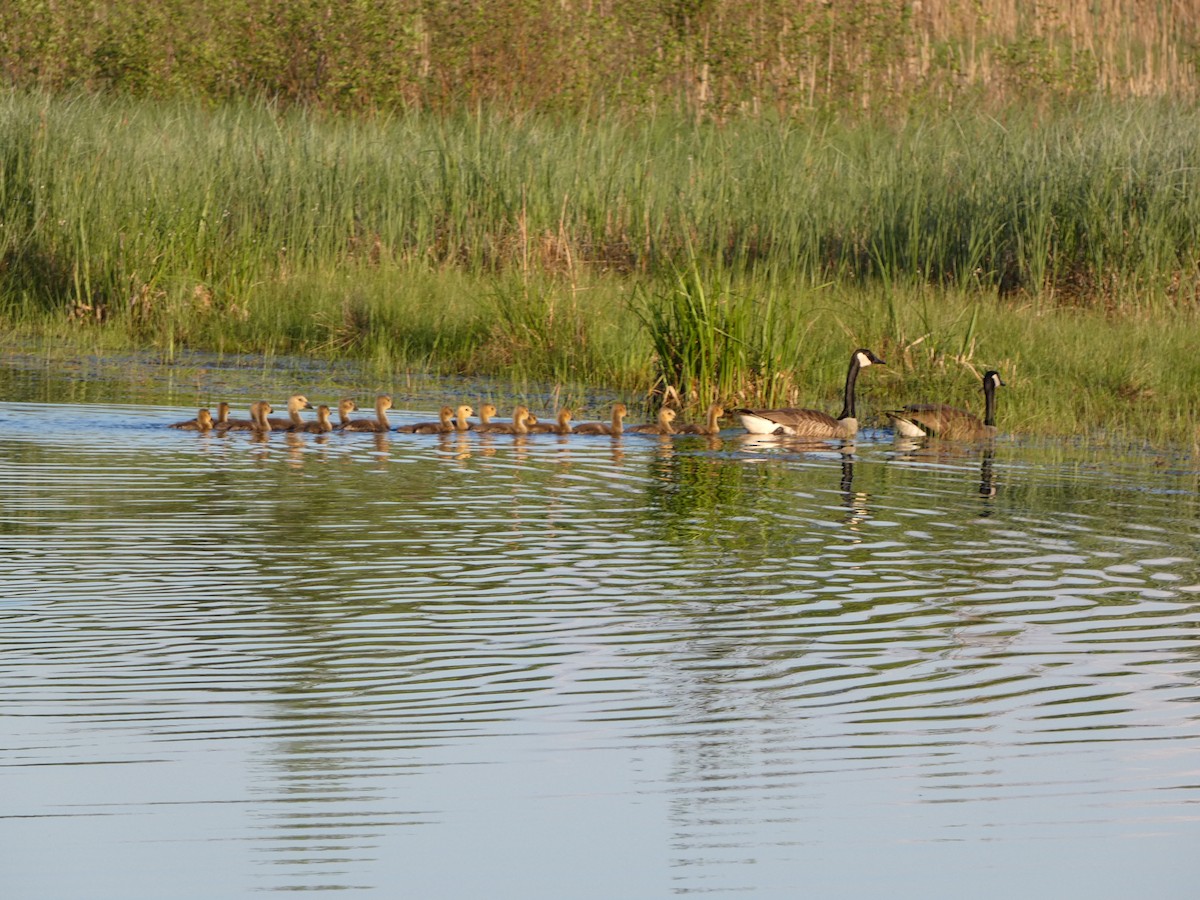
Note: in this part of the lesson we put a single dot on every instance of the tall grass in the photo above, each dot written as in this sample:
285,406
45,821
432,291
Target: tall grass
713,342
136,210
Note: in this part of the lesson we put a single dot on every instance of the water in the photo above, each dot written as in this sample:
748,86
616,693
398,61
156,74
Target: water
427,667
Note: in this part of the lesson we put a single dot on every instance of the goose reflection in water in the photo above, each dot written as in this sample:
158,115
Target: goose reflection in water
857,510
987,480
916,450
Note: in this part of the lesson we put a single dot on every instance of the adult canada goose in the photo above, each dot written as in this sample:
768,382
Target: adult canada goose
661,424
519,424
380,423
443,425
322,425
560,425
460,418
294,421
710,426
345,407
949,422
259,410
202,422
812,423
615,428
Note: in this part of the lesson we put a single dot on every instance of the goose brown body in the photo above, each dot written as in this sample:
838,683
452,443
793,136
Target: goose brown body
813,423
614,428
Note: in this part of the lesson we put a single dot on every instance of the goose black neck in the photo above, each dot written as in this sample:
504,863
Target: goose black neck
989,402
848,399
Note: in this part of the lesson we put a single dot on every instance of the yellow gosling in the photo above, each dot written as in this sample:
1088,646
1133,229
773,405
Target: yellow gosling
460,418
259,409
486,411
711,424
380,423
294,421
345,407
561,424
661,424
518,425
322,425
614,428
202,422
444,424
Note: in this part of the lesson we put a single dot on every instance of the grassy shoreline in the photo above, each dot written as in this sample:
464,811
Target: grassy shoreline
1062,250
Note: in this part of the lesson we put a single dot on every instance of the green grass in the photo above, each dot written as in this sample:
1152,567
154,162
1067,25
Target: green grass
739,262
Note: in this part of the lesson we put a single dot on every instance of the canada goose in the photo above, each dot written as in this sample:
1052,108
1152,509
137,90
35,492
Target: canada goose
615,428
259,410
710,426
380,423
322,425
444,424
561,424
661,424
202,422
345,407
460,418
519,424
294,421
812,422
949,422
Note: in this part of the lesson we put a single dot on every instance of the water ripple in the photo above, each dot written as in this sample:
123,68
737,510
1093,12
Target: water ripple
330,649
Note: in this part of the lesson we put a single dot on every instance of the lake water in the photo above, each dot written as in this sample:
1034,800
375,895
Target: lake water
572,667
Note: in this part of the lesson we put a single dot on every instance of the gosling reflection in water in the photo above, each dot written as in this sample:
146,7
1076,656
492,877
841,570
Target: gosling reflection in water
916,450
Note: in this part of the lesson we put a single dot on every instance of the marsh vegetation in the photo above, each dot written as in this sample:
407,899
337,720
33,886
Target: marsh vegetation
730,245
